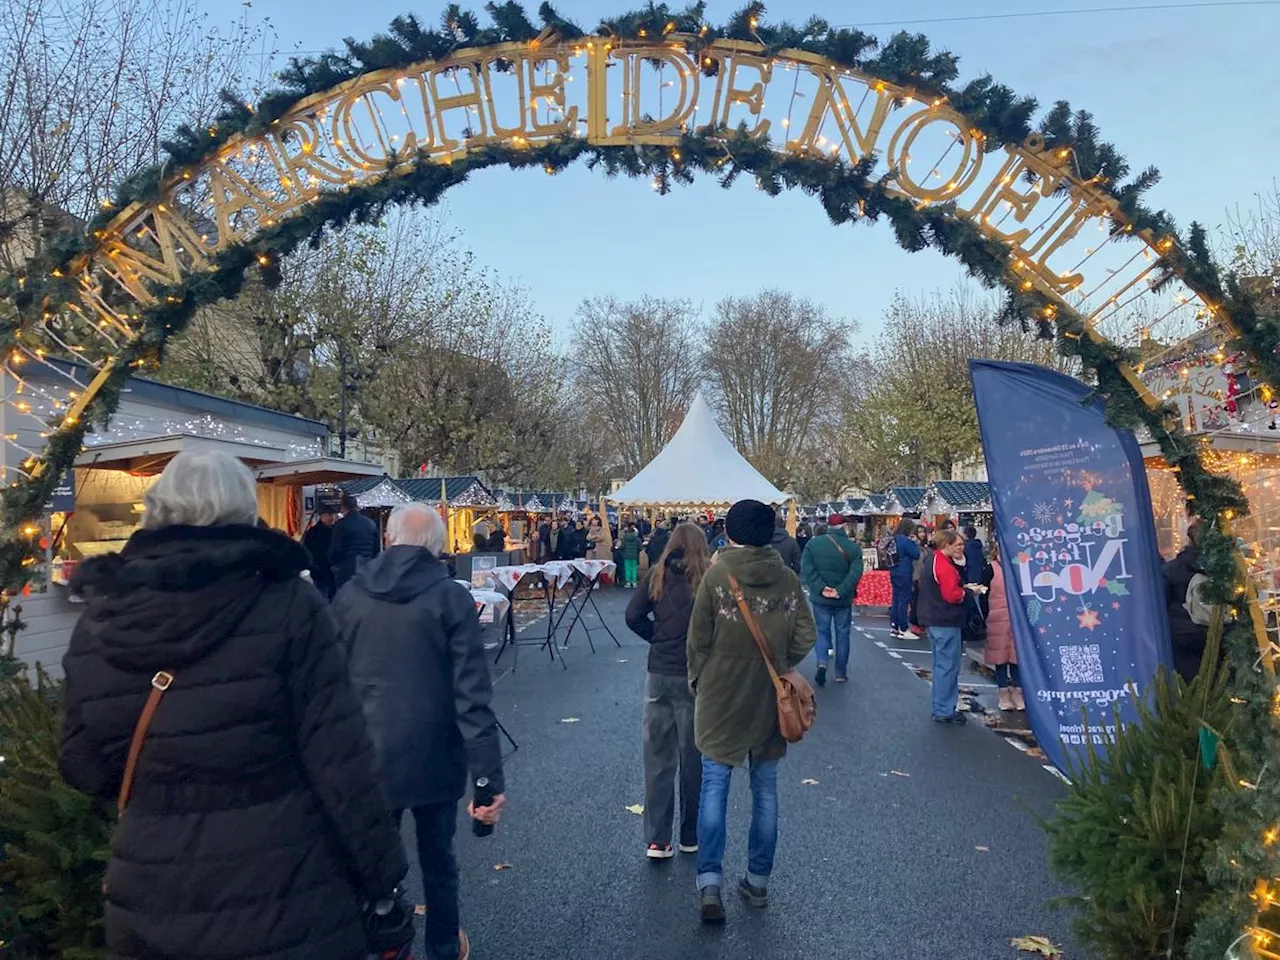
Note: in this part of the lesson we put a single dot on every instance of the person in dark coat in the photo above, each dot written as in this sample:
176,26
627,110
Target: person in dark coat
905,553
1188,637
786,546
497,539
355,541
317,541
415,654
659,613
544,541
256,826
657,543
943,610
831,568
976,566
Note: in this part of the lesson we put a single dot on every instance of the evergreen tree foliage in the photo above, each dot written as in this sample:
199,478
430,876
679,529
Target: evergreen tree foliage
1139,822
55,839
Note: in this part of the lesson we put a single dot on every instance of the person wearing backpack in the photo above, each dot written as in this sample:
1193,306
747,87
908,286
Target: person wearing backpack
902,553
830,568
1187,635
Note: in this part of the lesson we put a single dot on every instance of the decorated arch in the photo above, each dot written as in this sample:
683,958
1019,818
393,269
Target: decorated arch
1034,202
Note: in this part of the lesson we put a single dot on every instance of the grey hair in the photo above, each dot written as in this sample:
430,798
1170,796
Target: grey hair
416,525
202,488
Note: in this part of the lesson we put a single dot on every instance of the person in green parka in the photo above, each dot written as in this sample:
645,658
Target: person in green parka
630,544
735,708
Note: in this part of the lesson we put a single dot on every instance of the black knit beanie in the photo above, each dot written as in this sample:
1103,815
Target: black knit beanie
750,523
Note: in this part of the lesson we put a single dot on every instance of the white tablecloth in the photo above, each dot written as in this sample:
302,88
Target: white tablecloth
490,604
558,572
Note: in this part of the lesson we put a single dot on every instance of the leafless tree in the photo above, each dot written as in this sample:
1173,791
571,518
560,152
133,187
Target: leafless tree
636,365
777,364
1250,239
90,88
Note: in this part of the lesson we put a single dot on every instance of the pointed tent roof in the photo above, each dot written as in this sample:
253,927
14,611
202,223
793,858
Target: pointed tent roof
698,467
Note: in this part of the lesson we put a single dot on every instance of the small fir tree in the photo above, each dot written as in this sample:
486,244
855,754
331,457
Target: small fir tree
1134,832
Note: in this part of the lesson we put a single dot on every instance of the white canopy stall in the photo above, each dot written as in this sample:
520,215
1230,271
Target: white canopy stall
699,467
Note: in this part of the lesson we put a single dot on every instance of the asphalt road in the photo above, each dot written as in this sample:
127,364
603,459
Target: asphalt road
879,860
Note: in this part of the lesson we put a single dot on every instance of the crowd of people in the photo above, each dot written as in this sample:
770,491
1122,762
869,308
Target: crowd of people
249,699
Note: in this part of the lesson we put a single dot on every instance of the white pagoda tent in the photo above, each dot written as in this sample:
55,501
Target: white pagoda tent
699,467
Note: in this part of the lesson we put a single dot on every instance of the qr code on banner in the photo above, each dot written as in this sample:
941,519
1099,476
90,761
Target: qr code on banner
1082,664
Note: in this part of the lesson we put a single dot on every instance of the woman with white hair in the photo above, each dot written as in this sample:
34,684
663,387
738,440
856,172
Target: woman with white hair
207,694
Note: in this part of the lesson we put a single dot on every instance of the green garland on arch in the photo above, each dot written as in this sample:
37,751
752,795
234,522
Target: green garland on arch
847,193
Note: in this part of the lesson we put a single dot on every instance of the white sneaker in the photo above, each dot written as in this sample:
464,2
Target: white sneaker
660,851
688,848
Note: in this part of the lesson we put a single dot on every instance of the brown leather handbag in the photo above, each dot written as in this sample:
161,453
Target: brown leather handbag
797,707
161,682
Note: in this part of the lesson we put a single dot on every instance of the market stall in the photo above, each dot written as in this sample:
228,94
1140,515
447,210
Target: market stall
963,502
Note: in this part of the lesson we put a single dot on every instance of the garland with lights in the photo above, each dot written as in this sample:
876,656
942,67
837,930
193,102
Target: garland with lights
847,192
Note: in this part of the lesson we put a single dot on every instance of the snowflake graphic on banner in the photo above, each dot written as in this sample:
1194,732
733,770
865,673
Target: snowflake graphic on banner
1043,512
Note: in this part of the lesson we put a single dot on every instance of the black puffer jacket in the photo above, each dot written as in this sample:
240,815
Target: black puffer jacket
657,543
413,639
787,549
355,541
256,827
665,624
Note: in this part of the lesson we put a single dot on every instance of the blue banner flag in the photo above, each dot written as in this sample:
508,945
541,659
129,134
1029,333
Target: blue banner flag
1078,554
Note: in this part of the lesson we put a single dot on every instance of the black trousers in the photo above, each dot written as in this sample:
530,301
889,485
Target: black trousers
435,826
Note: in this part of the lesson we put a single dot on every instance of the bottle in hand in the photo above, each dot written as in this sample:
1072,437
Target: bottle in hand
483,797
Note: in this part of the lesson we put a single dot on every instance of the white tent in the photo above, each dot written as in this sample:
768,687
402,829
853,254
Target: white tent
698,467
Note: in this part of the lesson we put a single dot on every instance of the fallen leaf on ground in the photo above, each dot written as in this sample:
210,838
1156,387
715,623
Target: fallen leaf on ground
1035,752
420,909
569,720
502,866
991,720
1041,945
899,773
809,782
982,849
636,808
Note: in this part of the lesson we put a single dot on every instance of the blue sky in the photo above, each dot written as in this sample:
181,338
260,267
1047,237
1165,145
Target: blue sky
1188,90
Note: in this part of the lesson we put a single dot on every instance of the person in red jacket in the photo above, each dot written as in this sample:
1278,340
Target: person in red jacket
942,609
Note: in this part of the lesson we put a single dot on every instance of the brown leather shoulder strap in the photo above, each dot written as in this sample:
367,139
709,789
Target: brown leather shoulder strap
838,547
161,682
754,627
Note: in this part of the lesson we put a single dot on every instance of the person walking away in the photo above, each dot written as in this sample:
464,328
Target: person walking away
595,537
630,546
1188,637
355,541
787,548
803,536
944,606
830,569
657,543
414,651
659,613
921,564
998,651
735,706
901,552
255,825
317,540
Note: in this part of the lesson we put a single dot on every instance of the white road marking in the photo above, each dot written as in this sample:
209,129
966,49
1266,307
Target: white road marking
893,653
882,645
907,650
1016,743
1057,773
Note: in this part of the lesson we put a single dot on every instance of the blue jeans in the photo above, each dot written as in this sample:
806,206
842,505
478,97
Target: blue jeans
946,669
712,809
838,619
901,600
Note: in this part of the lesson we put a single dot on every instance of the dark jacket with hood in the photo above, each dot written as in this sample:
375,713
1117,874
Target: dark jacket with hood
355,541
665,622
787,549
1188,636
256,826
419,668
975,562
657,543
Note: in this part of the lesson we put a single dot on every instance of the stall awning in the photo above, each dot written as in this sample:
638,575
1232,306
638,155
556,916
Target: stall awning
150,456
307,473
